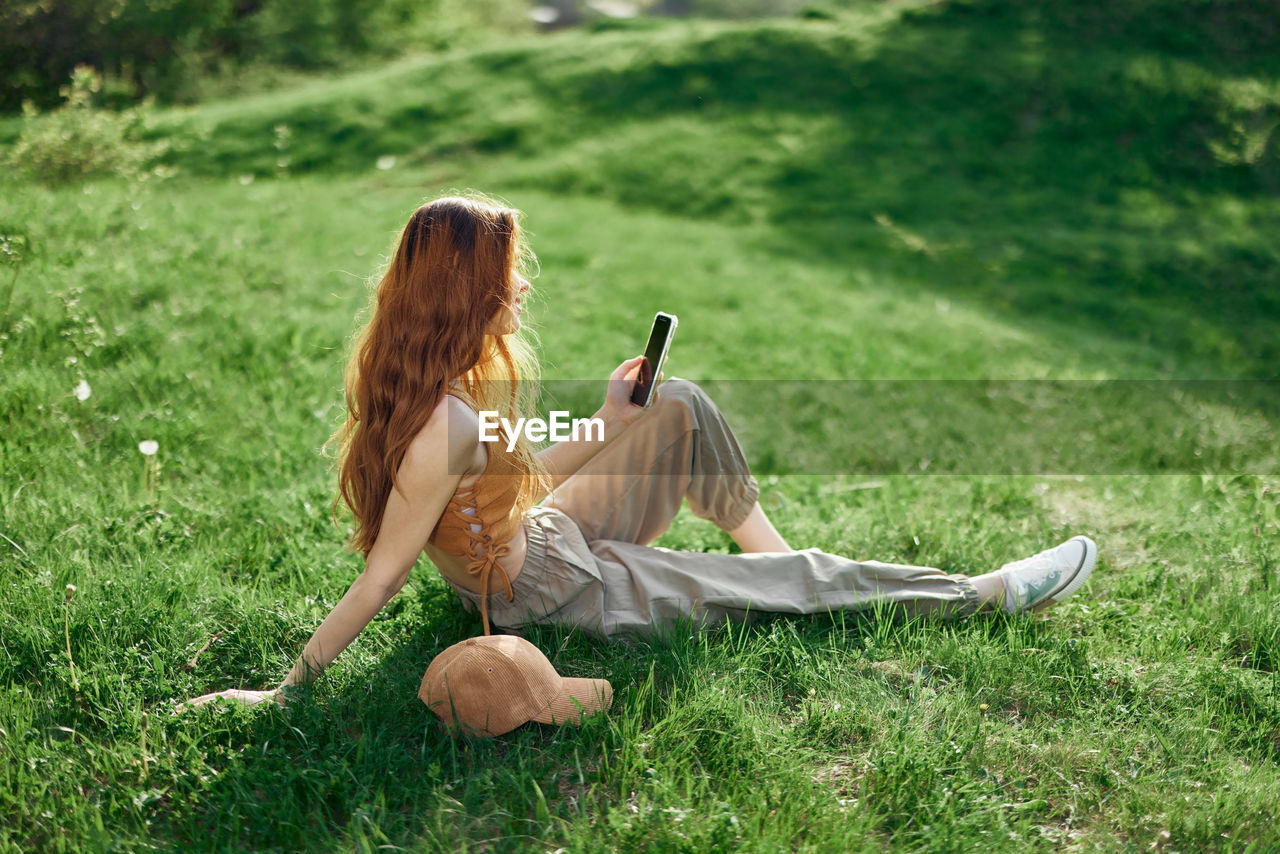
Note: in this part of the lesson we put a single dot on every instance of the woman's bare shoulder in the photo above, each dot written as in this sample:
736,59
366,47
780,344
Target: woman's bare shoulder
452,429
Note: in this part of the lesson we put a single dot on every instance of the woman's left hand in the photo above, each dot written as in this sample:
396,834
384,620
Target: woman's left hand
617,401
248,698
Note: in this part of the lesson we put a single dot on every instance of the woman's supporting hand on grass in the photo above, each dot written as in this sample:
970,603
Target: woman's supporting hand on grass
248,698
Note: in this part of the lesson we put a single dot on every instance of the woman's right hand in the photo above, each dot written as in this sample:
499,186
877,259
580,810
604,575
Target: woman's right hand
617,402
248,698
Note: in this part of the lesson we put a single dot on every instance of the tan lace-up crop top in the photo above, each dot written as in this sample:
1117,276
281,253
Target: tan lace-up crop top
487,504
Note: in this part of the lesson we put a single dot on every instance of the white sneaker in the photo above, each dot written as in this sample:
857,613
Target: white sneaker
1053,574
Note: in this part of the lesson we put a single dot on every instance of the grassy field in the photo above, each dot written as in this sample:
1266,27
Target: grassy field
957,191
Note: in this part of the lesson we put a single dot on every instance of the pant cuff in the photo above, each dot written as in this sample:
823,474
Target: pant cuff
744,507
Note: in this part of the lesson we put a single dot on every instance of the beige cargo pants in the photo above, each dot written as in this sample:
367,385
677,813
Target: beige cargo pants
588,564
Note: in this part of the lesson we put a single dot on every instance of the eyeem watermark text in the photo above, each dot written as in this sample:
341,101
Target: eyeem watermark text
559,428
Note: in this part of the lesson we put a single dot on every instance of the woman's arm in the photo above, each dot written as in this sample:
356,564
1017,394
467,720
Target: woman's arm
562,459
428,475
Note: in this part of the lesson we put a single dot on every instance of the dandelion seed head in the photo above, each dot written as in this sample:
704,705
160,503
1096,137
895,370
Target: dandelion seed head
83,391
544,14
149,447
385,162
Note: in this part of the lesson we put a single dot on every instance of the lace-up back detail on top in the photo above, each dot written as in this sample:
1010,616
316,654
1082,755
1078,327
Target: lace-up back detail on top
480,520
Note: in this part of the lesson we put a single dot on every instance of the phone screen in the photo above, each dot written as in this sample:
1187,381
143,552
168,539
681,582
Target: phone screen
654,354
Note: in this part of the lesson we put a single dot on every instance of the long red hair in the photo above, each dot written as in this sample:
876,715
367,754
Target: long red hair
451,273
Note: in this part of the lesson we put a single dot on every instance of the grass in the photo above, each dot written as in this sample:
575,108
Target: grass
850,201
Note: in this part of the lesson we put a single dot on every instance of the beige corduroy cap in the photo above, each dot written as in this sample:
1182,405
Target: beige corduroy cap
490,685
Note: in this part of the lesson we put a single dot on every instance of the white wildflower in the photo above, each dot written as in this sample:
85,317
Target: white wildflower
544,14
83,391
385,162
149,447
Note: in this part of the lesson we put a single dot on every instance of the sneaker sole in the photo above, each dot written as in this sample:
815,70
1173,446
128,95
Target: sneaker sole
1077,580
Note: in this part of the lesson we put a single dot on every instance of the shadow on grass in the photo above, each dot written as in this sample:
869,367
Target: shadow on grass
372,765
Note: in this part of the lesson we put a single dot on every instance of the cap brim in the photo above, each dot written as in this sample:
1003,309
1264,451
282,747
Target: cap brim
577,697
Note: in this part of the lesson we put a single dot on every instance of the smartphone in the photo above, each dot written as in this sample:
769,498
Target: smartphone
655,353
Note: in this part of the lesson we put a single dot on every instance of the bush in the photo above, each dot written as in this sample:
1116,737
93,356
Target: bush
138,40
163,47
79,140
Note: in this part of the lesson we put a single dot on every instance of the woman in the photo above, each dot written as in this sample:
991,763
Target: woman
443,345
